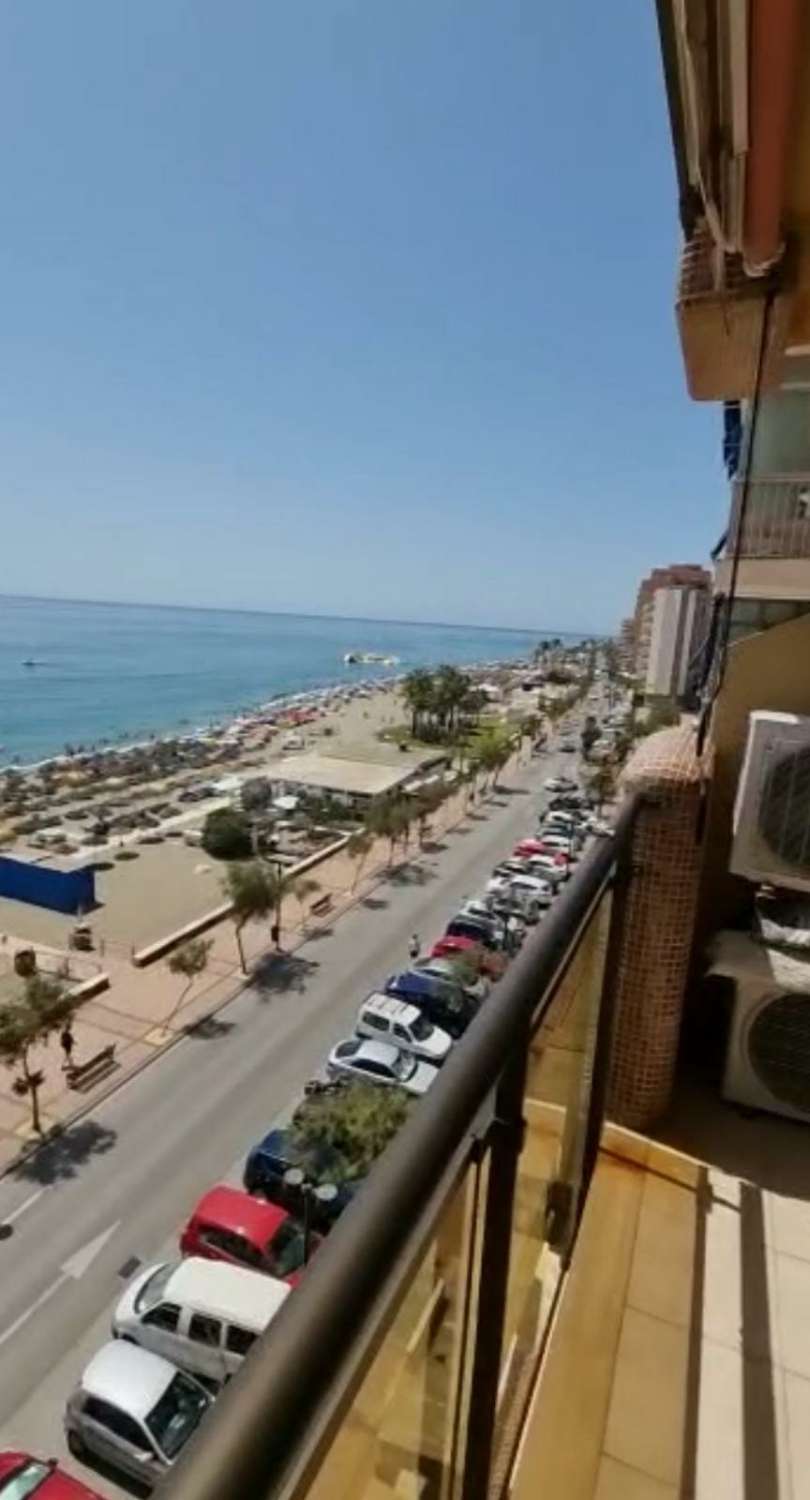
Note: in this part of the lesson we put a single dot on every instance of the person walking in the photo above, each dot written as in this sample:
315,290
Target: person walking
414,947
67,1042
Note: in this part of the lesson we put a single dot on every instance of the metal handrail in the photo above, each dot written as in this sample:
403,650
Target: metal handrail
263,1419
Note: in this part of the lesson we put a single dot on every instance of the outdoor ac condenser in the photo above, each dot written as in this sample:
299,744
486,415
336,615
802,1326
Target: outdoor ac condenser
768,1057
772,810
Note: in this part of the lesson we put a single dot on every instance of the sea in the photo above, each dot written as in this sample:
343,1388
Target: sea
118,673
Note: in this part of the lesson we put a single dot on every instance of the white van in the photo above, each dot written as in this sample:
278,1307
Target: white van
387,1019
203,1315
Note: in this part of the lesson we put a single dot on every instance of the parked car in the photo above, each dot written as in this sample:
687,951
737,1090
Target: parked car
568,747
386,1018
477,987
568,802
542,890
380,1062
560,784
25,1478
134,1410
487,931
231,1225
201,1314
450,945
505,895
275,1154
558,843
549,867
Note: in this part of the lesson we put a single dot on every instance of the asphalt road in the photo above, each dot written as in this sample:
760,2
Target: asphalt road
112,1193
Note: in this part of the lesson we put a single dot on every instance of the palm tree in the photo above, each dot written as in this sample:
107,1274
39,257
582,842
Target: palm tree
255,893
451,687
602,783
358,849
418,692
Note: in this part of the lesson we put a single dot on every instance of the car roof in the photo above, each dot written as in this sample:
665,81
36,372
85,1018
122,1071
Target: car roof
382,1052
392,1008
233,1293
132,1378
58,1486
234,1209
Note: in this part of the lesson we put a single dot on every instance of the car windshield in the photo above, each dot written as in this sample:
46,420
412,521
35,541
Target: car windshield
152,1290
285,1251
177,1414
422,1029
25,1480
404,1067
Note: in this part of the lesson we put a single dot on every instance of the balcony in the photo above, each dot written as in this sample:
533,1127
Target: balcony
773,539
524,1300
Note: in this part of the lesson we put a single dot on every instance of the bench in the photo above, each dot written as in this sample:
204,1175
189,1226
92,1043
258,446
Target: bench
84,1075
320,907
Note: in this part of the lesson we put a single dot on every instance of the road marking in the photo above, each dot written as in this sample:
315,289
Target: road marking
17,1213
71,1270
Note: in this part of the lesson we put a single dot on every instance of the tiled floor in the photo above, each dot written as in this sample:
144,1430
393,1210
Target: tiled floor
683,1339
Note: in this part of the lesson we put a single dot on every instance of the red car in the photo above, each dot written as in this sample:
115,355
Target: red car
231,1225
22,1476
453,946
527,847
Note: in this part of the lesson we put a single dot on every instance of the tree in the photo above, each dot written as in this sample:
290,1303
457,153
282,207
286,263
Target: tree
358,849
252,888
351,1126
226,835
426,804
661,716
42,1008
390,818
450,690
418,692
302,889
190,960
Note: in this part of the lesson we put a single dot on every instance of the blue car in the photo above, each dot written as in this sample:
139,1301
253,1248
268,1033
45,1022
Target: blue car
443,1002
271,1157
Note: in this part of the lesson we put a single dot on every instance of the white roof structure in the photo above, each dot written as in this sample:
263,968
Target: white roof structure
329,773
233,1293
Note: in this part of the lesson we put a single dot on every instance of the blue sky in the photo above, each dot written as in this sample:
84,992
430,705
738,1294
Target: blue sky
348,306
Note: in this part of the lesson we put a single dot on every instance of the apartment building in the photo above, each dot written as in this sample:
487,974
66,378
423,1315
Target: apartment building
669,623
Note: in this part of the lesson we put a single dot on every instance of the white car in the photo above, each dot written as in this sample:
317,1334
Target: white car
547,868
542,890
560,784
560,844
524,897
380,1062
384,1018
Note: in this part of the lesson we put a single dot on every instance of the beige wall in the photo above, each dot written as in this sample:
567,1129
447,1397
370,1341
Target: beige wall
768,670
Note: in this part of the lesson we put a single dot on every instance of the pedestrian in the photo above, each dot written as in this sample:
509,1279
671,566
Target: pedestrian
67,1042
414,946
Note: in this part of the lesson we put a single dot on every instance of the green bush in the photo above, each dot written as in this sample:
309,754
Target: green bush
226,835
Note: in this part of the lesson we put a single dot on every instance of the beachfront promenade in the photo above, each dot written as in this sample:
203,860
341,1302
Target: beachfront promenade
113,1190
144,1010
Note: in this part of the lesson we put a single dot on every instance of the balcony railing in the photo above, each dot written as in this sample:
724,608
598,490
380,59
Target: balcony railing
777,518
404,1362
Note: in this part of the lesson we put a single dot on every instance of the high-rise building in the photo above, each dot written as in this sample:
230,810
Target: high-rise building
675,628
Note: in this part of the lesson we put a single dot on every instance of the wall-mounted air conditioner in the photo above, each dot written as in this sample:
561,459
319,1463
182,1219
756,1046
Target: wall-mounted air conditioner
768,1057
772,811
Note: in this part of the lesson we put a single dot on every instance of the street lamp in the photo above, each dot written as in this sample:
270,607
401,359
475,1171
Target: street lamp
322,1193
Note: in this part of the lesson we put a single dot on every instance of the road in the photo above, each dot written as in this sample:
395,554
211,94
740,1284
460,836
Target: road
80,1217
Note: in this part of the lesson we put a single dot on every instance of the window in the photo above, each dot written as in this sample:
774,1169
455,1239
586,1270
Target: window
24,1481
378,1022
224,1240
239,1340
166,1316
115,1421
177,1413
152,1290
368,1065
205,1330
285,1251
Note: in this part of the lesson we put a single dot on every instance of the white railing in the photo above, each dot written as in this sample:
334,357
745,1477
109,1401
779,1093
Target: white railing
777,517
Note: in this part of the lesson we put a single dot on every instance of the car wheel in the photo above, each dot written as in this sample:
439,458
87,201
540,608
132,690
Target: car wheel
76,1444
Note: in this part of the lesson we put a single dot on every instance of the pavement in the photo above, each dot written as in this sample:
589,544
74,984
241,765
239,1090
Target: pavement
110,1194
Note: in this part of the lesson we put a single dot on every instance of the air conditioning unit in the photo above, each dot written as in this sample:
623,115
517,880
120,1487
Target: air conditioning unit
772,810
768,1057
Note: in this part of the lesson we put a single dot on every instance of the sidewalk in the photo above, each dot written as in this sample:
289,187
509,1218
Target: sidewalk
145,1010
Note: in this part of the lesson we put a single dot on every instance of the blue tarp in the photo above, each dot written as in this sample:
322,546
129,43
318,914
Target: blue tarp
70,891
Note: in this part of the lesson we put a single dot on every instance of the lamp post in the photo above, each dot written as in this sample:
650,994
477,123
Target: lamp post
322,1193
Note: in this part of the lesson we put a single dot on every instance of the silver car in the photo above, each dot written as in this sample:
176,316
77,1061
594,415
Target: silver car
380,1062
134,1410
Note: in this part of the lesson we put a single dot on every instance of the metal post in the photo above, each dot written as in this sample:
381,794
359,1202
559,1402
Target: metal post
507,1143
622,878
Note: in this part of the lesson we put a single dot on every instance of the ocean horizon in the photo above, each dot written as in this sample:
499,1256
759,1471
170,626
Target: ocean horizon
110,673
